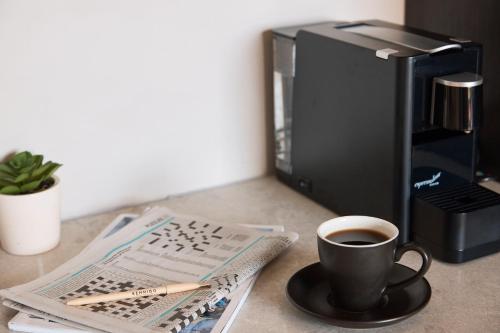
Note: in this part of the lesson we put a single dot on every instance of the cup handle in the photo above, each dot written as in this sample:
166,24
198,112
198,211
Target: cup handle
426,263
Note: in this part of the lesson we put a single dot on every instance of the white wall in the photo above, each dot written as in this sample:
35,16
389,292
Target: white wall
142,99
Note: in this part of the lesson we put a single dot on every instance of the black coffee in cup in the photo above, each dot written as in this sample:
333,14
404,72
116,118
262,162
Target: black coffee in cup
357,237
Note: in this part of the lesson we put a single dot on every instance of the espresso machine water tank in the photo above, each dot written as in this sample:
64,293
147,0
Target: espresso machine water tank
456,101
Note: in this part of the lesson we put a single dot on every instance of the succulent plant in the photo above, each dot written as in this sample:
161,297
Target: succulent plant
26,173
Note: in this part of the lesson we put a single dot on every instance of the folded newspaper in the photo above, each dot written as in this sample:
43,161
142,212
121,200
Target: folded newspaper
160,247
217,320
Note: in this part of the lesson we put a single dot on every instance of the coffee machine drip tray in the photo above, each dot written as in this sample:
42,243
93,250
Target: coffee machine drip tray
457,224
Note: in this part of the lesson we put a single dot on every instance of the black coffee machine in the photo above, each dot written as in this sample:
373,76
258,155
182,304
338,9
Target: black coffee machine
378,119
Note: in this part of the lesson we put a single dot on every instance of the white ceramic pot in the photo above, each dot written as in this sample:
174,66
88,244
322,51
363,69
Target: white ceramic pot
30,223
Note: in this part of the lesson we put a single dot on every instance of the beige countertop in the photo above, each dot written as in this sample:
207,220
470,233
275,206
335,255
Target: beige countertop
465,297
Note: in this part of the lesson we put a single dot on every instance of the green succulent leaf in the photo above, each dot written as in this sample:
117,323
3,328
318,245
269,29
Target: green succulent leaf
21,178
20,160
46,170
6,169
34,163
4,182
37,160
7,178
10,189
41,170
31,187
53,168
28,169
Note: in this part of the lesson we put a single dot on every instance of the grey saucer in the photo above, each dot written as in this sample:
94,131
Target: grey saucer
308,290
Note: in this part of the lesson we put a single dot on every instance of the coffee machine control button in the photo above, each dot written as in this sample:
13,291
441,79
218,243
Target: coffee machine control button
385,53
456,101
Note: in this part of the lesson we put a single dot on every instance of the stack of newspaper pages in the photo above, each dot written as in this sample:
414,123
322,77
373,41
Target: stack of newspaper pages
159,247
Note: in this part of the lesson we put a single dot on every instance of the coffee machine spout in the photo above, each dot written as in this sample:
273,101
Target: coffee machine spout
457,101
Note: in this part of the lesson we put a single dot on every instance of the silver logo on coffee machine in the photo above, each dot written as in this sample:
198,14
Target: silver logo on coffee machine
429,182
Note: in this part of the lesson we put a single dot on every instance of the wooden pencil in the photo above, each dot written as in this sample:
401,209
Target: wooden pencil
161,290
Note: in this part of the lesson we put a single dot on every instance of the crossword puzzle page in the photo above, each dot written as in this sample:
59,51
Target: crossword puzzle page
161,247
